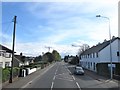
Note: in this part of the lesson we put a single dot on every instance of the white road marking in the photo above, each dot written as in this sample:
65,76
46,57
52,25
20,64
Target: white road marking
55,73
78,85
69,71
52,85
73,77
54,78
65,79
60,74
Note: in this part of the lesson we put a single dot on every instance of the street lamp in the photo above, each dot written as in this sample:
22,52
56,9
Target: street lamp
111,76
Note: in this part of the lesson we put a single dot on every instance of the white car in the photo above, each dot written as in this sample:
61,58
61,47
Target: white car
79,70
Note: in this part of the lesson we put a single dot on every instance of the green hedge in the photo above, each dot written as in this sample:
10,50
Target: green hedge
6,73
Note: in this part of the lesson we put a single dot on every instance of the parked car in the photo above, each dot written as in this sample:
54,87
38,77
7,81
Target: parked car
79,70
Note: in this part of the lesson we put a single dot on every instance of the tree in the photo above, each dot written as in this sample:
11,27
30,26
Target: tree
83,48
38,59
66,58
74,60
56,55
48,57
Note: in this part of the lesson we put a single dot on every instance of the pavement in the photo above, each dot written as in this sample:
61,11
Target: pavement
98,77
21,81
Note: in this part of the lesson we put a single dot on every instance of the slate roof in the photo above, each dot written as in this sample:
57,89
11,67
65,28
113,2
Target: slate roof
99,47
20,58
5,48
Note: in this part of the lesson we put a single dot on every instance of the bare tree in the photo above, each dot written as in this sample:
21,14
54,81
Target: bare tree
83,48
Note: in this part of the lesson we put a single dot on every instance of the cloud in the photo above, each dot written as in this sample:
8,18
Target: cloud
69,21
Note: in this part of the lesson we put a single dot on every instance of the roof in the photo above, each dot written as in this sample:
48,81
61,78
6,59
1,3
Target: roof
99,47
5,49
21,58
18,58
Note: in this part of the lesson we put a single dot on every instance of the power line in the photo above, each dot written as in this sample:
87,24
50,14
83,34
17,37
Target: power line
6,22
7,27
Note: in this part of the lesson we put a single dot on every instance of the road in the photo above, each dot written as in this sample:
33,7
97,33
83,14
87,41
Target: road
60,76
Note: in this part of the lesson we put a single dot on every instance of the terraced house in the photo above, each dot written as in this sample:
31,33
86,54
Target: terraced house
97,58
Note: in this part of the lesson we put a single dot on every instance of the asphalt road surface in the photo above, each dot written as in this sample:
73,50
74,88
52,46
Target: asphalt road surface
61,76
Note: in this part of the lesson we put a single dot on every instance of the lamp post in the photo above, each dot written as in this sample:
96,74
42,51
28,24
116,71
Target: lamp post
111,75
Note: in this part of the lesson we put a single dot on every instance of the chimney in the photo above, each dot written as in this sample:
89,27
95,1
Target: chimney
20,54
105,40
113,37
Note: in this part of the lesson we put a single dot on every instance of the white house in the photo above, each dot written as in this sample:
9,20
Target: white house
5,56
101,54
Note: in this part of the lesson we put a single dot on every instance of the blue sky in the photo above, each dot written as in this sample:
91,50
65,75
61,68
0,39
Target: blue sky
57,24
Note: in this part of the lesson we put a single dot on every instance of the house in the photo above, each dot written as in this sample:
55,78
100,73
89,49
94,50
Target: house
97,58
5,56
20,60
31,59
17,62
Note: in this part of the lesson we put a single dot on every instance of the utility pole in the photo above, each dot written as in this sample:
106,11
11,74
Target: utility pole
11,71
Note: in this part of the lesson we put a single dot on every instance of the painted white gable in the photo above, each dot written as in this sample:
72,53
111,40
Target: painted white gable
104,54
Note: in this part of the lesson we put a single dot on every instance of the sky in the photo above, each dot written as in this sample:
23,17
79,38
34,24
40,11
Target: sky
57,24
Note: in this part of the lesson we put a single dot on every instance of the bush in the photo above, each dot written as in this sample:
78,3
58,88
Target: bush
42,66
5,74
15,71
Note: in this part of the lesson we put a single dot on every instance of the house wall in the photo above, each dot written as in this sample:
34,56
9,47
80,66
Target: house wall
89,63
119,50
4,60
104,54
26,63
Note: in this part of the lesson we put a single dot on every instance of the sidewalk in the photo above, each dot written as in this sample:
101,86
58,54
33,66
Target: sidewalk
22,81
98,77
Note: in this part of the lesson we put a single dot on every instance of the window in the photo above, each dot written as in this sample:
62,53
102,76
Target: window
94,66
7,64
96,54
91,64
1,53
7,55
90,55
93,55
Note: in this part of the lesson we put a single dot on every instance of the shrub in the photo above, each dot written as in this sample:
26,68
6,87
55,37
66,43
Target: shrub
5,74
15,71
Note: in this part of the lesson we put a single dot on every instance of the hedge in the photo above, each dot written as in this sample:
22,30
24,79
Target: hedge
6,73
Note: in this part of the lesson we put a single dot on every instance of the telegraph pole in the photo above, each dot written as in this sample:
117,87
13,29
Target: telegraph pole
11,71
